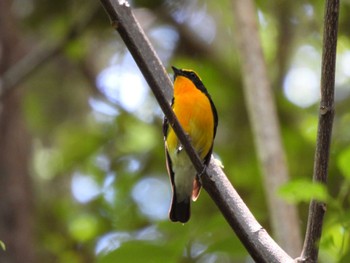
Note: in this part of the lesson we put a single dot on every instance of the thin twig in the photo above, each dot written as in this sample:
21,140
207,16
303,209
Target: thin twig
257,241
324,133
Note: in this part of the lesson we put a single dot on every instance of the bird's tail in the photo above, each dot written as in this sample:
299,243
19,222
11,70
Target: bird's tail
180,211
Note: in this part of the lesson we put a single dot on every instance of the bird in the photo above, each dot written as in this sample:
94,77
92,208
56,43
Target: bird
198,117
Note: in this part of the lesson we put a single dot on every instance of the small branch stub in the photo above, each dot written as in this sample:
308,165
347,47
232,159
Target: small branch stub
324,110
115,24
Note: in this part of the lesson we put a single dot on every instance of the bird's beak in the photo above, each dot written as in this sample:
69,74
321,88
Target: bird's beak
176,71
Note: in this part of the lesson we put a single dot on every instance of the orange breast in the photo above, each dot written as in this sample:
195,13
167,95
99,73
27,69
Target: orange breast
192,108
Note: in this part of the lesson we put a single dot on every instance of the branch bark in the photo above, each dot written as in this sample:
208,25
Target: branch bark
324,133
256,240
264,121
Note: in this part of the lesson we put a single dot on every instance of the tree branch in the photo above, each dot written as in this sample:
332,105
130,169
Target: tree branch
324,133
258,243
154,72
264,121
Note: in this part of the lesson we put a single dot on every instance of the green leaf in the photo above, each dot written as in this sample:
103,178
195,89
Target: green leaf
139,251
343,162
345,258
230,245
76,144
83,227
303,191
335,242
75,49
308,127
138,137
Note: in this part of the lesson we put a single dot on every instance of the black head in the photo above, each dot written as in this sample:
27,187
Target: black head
190,74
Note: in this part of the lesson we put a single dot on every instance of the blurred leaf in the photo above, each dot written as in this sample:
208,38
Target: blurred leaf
177,242
344,219
335,241
345,258
75,49
76,143
308,127
231,245
303,191
2,245
139,137
70,256
344,161
83,227
59,26
139,251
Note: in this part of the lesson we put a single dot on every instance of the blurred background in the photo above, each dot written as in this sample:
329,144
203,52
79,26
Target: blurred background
82,167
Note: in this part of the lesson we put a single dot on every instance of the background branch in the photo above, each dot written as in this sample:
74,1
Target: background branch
40,55
258,243
17,219
324,133
263,119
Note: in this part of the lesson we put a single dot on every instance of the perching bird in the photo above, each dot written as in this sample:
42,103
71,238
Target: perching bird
197,115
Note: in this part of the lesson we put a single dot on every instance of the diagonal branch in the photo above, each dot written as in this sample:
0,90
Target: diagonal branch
154,72
324,133
256,240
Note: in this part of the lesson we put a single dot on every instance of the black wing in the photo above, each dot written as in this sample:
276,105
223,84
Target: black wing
216,121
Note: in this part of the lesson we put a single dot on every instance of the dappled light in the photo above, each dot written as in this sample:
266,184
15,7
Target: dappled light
153,197
301,87
82,130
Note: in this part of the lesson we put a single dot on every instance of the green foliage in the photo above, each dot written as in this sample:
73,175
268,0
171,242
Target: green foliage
335,240
303,191
76,144
83,227
139,251
344,161
75,50
2,246
80,126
